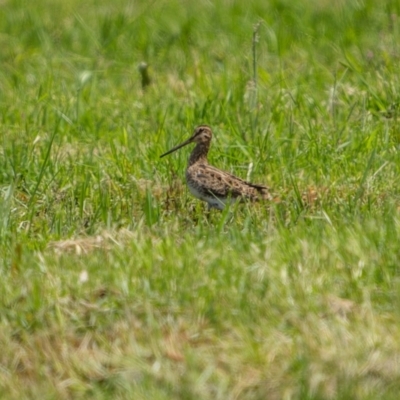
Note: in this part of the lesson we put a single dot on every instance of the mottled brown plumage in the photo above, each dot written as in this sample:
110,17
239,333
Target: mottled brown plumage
210,184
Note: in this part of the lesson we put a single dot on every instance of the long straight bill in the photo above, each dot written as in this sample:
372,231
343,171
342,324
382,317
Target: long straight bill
177,147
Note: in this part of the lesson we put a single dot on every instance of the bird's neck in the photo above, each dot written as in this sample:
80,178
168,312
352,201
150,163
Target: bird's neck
199,153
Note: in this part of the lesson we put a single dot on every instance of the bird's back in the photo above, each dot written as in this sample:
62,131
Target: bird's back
205,180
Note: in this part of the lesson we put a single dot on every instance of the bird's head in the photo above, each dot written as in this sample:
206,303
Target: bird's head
201,134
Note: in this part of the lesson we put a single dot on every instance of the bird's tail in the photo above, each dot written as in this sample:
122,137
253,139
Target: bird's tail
265,193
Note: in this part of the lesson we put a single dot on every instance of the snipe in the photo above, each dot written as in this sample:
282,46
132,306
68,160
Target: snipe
210,184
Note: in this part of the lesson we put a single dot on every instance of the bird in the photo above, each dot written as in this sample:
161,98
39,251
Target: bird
210,184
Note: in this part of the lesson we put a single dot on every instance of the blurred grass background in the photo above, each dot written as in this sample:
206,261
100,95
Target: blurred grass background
115,282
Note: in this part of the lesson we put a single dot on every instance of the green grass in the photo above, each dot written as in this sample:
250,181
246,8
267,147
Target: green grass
116,283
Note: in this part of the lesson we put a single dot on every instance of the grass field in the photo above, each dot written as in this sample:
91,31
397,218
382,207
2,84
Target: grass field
115,283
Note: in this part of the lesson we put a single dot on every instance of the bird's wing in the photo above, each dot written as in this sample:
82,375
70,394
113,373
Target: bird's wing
223,184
